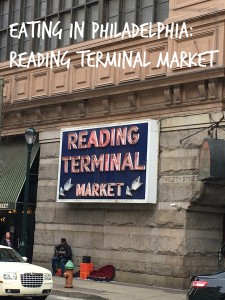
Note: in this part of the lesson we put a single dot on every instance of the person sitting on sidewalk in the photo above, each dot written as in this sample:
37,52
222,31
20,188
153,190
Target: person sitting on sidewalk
62,254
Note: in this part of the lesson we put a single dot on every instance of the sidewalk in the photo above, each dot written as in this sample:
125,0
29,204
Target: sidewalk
94,290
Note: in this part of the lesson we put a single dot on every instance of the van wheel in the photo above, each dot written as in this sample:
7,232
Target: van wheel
40,298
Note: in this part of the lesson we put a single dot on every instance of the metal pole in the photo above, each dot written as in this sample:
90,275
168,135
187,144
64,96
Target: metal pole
1,105
23,240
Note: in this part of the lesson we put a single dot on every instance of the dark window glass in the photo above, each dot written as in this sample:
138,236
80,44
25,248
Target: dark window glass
14,44
16,11
70,11
27,11
146,11
25,45
112,11
66,4
162,10
42,8
129,11
4,13
79,18
65,23
3,43
54,6
92,17
52,42
40,43
80,2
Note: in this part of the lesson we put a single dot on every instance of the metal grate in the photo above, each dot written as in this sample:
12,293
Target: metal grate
31,280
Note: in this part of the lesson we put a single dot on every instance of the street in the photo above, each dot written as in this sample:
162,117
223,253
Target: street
87,289
54,297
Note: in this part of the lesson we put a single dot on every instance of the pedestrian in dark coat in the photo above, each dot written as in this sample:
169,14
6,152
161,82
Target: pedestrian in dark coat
62,254
7,241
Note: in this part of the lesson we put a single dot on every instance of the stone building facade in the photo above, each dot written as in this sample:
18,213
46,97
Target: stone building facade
153,244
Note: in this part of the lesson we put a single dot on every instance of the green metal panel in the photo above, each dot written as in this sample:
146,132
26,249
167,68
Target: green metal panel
13,158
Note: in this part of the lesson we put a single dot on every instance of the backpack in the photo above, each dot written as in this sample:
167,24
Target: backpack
106,273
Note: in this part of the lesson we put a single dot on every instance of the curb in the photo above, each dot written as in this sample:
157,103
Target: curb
79,295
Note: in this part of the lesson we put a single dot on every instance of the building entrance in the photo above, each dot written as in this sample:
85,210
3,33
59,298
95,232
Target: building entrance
11,220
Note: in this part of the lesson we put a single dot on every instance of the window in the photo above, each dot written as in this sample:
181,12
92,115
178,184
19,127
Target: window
146,11
52,42
16,4
92,13
79,2
4,13
162,10
25,44
129,11
27,13
79,18
40,43
66,4
14,44
112,8
41,8
135,11
65,24
84,12
3,42
53,7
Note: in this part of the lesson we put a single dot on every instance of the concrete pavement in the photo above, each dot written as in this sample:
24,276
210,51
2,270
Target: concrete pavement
94,290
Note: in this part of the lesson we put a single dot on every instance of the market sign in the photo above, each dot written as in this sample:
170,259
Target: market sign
4,205
115,163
